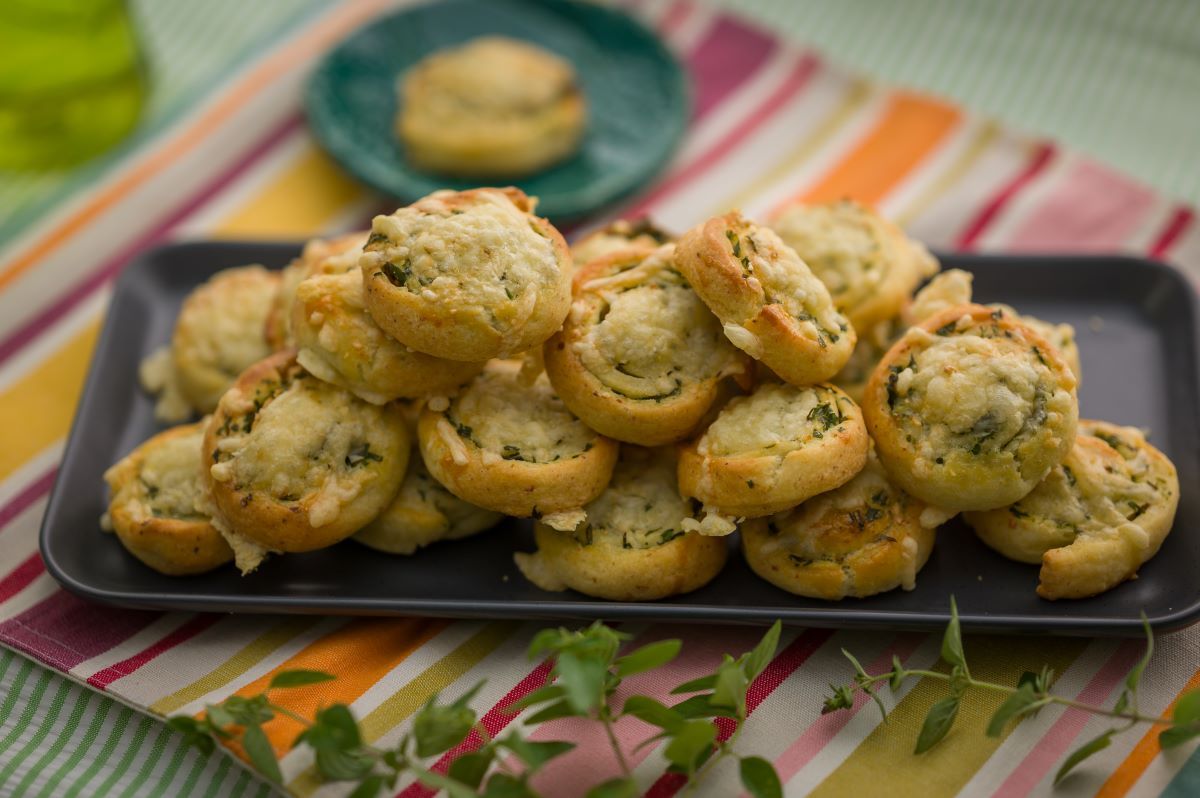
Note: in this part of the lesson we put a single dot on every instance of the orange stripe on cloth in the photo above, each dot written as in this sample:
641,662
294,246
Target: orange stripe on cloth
1147,748
910,128
322,33
360,654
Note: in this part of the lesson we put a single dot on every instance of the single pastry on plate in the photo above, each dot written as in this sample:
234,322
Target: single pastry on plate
640,357
339,342
953,287
772,307
156,508
869,265
633,545
971,409
863,538
422,513
621,234
1095,518
467,275
774,449
492,107
336,255
513,447
297,464
218,334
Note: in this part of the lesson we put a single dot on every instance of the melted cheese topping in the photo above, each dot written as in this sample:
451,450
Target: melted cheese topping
309,441
320,256
167,483
649,332
641,508
774,420
949,289
618,236
484,258
512,420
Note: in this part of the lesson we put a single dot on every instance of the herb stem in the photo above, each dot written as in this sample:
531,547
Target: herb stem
606,719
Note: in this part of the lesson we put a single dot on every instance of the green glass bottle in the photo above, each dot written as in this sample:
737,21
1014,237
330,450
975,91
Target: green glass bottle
72,80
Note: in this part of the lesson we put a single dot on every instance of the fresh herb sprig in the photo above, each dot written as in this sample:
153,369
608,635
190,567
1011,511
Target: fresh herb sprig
1026,698
587,669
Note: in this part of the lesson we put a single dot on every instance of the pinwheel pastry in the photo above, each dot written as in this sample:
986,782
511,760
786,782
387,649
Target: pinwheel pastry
863,538
640,358
869,265
422,513
633,546
339,342
621,234
467,275
774,449
953,287
336,255
513,447
297,464
1095,519
772,307
971,409
493,107
219,333
873,344
157,504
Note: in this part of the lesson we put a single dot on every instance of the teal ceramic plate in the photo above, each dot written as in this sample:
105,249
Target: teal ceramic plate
638,96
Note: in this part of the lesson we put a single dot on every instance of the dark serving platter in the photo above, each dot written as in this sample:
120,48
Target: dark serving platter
1137,326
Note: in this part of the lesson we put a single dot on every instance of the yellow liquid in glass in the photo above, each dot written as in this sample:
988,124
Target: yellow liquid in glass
72,82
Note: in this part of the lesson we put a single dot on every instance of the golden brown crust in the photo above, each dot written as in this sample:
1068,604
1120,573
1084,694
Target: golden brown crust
774,449
971,409
1095,519
467,275
338,342
298,464
513,447
640,358
633,546
772,306
619,235
864,538
334,255
154,506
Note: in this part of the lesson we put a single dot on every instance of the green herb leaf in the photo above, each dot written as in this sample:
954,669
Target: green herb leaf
194,732
730,689
692,741
368,787
1016,705
502,785
696,685
453,788
759,778
842,698
615,788
648,710
582,679
471,768
1178,735
896,680
535,754
1187,721
761,655
251,711
437,729
648,657
701,706
218,719
538,696
262,756
937,723
1081,753
952,646
559,709
299,678
343,765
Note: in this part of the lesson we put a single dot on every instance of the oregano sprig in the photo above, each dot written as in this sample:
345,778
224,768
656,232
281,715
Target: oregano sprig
1026,698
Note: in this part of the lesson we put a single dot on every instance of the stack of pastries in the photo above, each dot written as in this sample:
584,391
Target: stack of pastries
641,398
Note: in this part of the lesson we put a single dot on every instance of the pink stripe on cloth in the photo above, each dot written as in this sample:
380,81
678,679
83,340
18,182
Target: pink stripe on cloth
826,727
98,278
64,630
1049,750
797,79
1180,221
1090,207
676,14
119,670
28,495
19,578
494,721
784,665
729,53
992,209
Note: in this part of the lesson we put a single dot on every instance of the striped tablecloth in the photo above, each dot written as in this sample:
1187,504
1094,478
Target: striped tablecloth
772,123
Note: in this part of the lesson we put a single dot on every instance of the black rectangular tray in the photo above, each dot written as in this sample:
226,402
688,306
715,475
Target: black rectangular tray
1137,327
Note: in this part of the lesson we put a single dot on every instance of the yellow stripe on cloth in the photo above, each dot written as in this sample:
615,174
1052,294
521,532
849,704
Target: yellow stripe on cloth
980,143
886,754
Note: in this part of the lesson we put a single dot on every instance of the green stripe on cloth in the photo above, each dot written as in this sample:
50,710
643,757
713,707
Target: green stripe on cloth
59,739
